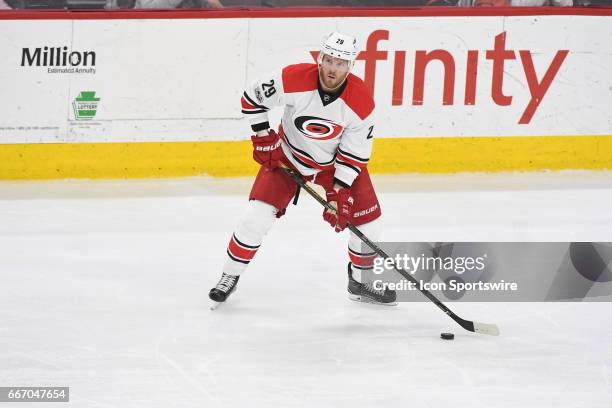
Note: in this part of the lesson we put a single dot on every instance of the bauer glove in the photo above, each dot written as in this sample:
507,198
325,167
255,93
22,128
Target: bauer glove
342,200
267,149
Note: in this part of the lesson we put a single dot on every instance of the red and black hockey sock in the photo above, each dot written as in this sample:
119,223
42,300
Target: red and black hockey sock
248,236
360,261
240,252
361,256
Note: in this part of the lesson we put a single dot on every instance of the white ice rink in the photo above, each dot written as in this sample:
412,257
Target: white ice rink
103,288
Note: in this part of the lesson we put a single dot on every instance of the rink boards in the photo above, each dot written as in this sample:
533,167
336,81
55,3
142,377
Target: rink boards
146,94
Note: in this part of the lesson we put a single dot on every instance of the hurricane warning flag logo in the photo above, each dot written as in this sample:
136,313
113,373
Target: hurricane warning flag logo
317,128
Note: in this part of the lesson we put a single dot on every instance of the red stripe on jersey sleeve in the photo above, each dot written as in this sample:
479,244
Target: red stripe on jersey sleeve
349,160
300,78
358,97
247,105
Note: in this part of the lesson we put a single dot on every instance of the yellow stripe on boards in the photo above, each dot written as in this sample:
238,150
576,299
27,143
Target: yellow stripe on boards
491,154
126,160
234,159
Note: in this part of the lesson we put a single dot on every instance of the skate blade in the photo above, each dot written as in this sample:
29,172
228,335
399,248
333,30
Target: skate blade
359,298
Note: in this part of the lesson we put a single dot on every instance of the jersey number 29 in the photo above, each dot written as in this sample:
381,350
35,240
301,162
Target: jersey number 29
268,88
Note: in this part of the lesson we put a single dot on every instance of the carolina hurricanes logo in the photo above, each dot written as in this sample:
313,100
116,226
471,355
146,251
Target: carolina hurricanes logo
317,128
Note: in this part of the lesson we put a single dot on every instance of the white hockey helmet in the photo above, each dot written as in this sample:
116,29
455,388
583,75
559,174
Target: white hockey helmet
339,45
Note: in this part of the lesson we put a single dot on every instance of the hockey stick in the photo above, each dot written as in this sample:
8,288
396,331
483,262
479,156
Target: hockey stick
476,327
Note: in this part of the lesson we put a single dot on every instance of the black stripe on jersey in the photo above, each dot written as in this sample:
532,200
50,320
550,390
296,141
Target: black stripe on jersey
350,166
341,183
252,102
260,126
244,245
246,112
233,258
361,254
292,147
297,159
352,156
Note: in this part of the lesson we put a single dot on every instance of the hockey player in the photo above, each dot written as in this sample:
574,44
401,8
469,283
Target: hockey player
326,135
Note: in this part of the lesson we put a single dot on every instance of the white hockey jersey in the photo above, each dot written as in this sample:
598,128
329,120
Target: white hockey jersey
319,131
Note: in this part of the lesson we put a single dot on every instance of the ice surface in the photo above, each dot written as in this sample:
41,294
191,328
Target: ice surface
103,288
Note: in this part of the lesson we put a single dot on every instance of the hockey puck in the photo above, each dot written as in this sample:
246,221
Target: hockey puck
447,336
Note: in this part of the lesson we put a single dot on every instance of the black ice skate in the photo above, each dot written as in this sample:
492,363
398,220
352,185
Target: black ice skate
225,287
365,292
